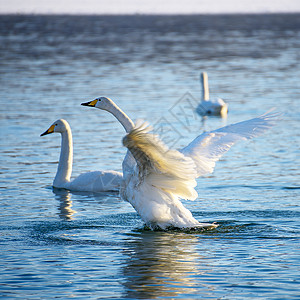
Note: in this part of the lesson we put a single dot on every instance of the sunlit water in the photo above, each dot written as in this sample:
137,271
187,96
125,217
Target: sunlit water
56,244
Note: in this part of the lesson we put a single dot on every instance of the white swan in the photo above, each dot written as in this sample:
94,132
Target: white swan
98,181
214,107
157,177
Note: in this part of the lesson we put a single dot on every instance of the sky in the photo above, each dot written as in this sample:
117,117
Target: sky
148,6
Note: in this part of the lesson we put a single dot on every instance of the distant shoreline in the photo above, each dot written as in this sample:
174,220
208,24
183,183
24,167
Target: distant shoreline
146,14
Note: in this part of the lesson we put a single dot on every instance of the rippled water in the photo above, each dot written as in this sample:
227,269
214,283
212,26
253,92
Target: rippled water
56,244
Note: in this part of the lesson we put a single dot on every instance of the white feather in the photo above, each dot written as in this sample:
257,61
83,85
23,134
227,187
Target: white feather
209,147
208,106
97,181
156,177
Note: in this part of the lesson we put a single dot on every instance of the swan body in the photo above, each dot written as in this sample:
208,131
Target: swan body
214,107
156,177
160,177
98,181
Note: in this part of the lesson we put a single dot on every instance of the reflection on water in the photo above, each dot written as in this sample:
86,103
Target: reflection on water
162,265
205,124
65,204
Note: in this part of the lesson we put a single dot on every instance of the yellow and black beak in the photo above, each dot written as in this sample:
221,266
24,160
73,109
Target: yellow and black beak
49,130
90,103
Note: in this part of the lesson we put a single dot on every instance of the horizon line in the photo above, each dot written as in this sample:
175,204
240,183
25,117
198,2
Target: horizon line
148,13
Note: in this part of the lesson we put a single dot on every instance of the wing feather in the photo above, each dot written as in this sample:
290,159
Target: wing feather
209,147
164,168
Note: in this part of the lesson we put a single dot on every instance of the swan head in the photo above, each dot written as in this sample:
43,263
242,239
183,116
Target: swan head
203,76
58,126
103,103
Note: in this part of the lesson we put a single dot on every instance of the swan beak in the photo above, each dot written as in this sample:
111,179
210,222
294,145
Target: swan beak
90,103
48,131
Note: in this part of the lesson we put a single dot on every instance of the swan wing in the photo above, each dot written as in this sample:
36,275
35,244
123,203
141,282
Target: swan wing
209,147
162,167
97,181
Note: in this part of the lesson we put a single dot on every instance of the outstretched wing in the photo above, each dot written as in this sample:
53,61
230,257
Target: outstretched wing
208,147
161,167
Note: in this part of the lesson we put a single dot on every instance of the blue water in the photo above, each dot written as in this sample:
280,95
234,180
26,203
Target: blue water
57,244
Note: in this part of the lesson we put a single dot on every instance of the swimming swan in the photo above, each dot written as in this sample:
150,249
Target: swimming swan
214,107
155,177
98,181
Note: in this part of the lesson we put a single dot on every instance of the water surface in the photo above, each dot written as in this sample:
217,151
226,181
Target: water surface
57,244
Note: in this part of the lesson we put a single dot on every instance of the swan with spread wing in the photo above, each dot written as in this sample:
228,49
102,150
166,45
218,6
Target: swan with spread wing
155,177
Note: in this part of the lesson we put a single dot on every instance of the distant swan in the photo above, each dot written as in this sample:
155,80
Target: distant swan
155,177
215,107
98,181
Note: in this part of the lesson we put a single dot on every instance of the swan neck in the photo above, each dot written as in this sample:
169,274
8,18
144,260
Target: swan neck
64,169
205,89
122,118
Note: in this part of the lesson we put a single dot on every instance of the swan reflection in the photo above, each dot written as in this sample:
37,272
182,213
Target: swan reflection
208,124
163,265
65,204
